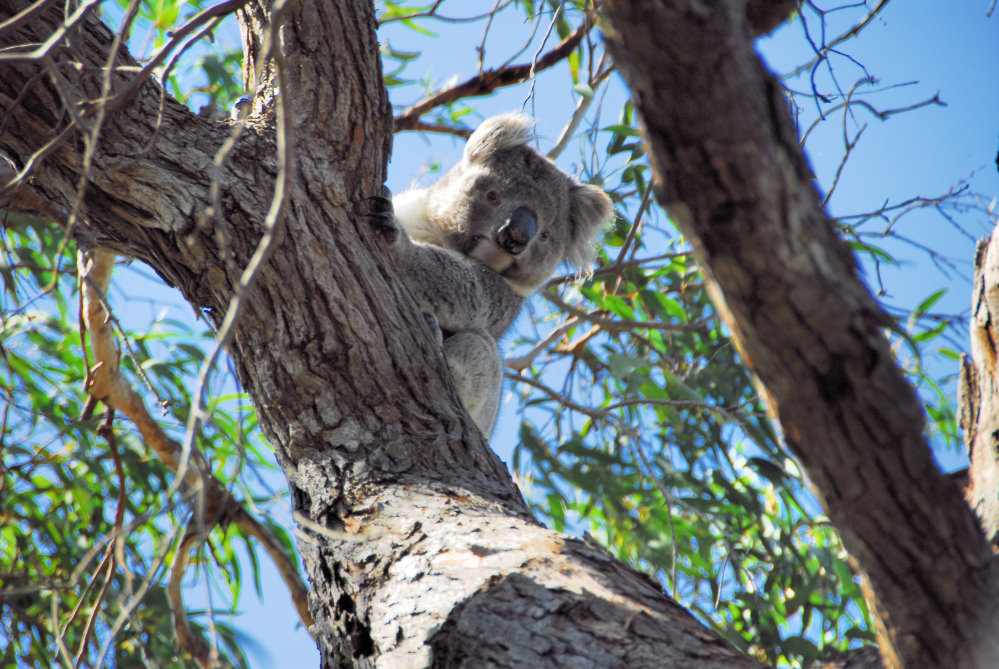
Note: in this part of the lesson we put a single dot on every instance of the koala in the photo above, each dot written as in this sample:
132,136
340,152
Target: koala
486,236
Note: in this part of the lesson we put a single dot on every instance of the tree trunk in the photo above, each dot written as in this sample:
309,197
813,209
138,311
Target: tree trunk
418,544
979,391
734,180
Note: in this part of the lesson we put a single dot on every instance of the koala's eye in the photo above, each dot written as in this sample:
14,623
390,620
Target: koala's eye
492,197
544,236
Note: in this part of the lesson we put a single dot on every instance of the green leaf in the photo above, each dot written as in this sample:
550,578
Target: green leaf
928,302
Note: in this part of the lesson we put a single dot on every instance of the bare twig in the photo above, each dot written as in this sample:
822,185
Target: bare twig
109,384
581,108
489,81
852,32
12,54
615,325
104,104
129,606
537,55
522,362
423,126
561,398
207,658
25,15
431,13
106,431
273,230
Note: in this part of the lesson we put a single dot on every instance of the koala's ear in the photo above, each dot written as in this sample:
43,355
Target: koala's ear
497,133
589,212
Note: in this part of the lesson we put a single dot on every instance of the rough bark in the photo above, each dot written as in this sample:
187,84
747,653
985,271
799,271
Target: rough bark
734,180
765,15
419,548
979,391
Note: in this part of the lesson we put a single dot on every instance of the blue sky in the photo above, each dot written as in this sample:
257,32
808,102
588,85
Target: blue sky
946,48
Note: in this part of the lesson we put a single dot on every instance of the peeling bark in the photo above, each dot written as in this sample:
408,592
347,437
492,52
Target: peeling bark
734,180
979,391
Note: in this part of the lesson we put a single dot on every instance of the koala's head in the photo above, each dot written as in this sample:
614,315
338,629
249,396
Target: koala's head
513,210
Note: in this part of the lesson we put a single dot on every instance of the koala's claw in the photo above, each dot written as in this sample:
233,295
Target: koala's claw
380,204
382,217
435,326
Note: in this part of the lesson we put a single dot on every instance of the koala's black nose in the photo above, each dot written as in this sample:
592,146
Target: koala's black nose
517,232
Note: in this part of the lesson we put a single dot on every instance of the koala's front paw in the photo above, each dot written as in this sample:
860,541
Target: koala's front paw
382,217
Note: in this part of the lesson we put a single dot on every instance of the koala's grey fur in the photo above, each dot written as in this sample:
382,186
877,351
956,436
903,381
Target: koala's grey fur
491,232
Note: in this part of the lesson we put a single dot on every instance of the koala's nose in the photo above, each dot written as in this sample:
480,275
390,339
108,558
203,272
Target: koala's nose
517,232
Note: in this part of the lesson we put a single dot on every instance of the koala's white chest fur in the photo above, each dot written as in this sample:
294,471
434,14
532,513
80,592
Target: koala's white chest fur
411,212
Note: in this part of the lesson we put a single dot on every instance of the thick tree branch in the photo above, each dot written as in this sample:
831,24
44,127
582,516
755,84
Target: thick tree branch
735,182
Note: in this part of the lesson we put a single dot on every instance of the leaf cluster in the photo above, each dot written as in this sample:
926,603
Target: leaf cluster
87,527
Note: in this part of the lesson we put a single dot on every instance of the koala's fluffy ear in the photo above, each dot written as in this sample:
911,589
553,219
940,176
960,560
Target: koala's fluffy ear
497,133
589,212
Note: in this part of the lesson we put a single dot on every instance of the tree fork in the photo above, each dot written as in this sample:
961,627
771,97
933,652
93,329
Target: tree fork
418,544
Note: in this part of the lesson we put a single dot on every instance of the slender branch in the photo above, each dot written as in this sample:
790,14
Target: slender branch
432,14
490,80
615,325
614,268
125,614
423,126
581,108
106,431
108,383
285,567
591,412
105,105
28,13
193,644
273,231
852,32
12,54
522,362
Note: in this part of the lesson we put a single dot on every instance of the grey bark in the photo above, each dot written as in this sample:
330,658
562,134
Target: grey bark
734,179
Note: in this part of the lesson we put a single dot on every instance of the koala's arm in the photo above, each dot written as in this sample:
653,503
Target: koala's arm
461,293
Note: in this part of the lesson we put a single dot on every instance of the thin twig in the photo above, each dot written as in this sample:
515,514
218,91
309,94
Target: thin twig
193,644
27,14
522,362
580,112
106,431
108,383
852,32
273,230
615,325
489,81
